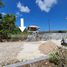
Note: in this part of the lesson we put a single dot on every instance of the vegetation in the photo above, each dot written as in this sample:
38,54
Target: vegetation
7,26
54,58
59,58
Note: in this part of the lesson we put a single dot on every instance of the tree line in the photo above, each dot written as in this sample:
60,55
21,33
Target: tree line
7,24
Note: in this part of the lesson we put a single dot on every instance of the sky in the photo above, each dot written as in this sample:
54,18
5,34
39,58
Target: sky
38,12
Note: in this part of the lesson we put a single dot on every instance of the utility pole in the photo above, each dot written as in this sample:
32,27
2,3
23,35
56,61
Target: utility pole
49,28
49,25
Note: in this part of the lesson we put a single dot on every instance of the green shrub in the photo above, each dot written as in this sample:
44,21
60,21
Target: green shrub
54,58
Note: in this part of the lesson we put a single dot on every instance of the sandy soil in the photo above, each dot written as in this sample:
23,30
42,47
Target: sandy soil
11,52
30,51
48,47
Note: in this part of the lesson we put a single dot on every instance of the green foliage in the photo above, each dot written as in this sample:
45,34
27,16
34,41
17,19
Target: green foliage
16,31
24,32
59,58
7,25
54,58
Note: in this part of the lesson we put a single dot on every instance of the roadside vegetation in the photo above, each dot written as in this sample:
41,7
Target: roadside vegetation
59,58
8,27
56,59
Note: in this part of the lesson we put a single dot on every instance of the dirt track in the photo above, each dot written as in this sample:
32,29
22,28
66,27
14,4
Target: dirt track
11,52
47,47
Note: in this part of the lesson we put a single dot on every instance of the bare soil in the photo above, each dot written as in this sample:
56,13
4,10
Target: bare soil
44,63
47,47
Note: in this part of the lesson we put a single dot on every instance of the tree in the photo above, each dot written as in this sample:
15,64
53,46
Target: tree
0,21
9,22
7,26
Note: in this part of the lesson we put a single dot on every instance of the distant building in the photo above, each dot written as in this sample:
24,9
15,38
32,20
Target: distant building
34,32
33,28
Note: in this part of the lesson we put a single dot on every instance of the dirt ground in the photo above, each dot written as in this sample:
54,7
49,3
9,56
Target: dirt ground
9,51
47,47
44,63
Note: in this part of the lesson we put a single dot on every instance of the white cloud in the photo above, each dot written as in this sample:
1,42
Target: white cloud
3,13
22,8
46,5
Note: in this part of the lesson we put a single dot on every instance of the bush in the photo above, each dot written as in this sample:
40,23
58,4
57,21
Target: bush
54,58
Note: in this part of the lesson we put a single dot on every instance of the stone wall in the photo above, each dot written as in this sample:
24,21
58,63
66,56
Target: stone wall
46,36
56,36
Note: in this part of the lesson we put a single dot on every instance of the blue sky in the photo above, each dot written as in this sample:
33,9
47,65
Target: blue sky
39,12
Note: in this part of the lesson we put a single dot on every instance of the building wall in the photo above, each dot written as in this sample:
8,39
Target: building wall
46,36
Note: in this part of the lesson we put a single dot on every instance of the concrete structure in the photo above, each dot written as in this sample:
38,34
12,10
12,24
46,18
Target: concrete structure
47,36
34,30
